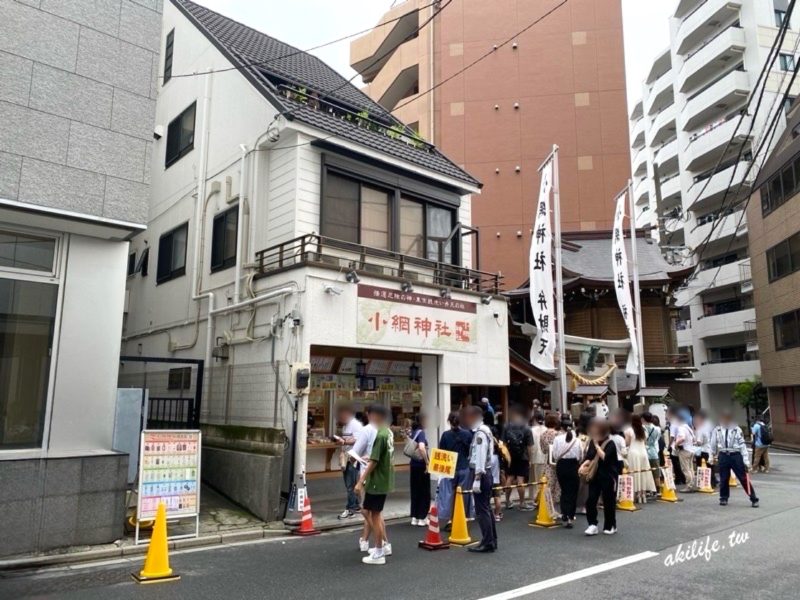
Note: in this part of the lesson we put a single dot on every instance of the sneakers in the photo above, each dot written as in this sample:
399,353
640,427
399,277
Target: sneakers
592,530
611,531
723,502
754,504
422,522
527,508
374,558
387,549
363,545
414,521
346,514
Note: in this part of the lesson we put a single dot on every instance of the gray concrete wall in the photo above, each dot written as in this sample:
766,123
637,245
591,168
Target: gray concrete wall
251,480
50,503
77,103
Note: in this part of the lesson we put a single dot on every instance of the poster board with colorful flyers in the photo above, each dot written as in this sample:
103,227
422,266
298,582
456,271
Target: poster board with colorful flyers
169,472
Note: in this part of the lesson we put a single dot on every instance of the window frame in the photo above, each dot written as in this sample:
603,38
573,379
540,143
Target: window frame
169,52
795,315
784,59
771,256
174,273
780,16
789,400
55,277
183,150
131,263
396,193
227,262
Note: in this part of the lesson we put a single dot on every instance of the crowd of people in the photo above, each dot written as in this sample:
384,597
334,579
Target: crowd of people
500,464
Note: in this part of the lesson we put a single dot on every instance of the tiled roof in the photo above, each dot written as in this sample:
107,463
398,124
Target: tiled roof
243,45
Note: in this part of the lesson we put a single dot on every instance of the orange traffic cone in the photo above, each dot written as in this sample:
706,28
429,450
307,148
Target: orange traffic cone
667,482
732,481
156,563
306,521
459,533
433,540
625,485
544,518
702,471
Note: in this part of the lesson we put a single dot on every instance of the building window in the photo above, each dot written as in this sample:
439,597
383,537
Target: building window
172,254
168,49
357,212
790,404
180,379
131,263
27,252
180,136
780,16
27,320
223,239
784,258
786,62
781,186
787,330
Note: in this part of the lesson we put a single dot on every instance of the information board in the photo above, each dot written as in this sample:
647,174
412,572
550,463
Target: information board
442,463
169,472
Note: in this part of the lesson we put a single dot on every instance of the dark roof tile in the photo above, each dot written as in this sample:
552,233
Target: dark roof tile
244,46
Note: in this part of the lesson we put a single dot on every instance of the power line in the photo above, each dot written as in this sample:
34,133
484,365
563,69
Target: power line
766,141
776,46
295,52
771,57
432,88
483,56
410,36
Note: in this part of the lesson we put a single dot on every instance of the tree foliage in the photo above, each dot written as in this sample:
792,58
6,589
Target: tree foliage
751,394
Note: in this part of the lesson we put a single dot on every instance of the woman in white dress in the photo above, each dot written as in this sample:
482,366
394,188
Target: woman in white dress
638,463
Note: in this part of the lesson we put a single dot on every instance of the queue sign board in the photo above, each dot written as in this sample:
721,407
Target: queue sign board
169,472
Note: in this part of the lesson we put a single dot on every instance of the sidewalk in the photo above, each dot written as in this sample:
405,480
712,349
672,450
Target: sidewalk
221,522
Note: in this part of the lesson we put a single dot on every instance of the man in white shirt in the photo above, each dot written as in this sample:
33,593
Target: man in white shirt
685,446
351,428
729,449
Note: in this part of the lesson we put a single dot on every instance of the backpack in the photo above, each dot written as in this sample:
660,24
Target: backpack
765,434
515,441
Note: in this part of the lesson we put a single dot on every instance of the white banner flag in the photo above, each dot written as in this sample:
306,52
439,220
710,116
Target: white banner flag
619,258
541,277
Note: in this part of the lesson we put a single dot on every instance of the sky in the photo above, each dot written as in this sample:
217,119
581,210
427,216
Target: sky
645,23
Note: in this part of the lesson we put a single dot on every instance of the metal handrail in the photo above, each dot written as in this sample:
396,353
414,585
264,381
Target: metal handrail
329,252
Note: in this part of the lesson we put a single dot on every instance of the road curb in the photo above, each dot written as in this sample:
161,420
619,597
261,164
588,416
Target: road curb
65,559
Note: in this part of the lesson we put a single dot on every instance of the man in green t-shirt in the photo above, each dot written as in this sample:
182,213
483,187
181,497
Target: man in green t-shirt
377,481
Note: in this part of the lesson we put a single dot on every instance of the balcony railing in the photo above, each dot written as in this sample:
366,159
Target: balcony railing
316,250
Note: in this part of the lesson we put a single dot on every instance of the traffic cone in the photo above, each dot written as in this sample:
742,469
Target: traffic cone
732,481
543,516
626,504
459,533
707,489
433,540
667,489
156,563
306,521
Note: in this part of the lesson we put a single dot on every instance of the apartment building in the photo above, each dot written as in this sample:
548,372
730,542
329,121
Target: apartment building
562,82
77,100
685,159
773,217
295,224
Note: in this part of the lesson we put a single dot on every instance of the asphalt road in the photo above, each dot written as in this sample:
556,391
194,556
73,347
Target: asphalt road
532,563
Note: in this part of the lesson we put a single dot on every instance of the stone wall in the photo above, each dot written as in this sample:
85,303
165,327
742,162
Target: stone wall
56,502
77,104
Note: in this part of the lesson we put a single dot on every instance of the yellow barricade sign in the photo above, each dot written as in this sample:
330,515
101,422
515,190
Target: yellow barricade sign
443,464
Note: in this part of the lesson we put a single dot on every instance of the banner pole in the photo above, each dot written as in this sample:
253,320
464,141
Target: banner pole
637,294
562,366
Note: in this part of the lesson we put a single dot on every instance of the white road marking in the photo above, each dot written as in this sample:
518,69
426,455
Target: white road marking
569,577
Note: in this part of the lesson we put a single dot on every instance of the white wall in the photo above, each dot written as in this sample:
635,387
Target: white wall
85,385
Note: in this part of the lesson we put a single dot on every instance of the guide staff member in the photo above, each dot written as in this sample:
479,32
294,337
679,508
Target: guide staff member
730,449
480,457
